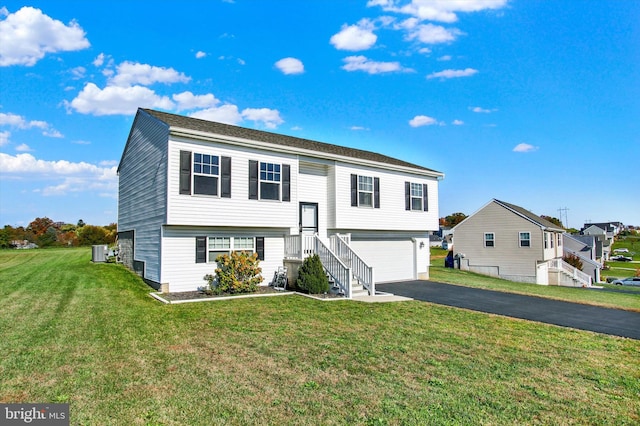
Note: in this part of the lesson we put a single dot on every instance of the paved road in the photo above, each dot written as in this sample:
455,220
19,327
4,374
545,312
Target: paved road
615,322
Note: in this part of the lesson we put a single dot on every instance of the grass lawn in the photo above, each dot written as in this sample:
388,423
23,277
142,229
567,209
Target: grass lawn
90,335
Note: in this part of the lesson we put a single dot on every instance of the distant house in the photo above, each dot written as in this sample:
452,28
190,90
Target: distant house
585,248
604,239
510,242
190,190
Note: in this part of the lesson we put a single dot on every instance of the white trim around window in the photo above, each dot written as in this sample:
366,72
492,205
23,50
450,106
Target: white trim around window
225,245
489,239
524,239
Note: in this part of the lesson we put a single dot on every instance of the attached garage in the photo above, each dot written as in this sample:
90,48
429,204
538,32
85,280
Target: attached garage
392,259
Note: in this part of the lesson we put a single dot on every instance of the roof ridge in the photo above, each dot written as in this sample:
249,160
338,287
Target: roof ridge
199,124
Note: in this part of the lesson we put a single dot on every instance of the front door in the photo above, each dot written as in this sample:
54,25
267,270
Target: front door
308,218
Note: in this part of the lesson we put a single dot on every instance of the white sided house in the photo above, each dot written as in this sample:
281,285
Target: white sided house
190,190
510,242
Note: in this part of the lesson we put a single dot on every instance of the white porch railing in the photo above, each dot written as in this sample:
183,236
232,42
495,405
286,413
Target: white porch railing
359,268
302,246
560,265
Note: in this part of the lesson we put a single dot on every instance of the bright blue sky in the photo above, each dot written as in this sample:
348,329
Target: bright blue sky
536,103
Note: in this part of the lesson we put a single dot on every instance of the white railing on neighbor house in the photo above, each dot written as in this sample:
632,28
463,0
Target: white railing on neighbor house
302,246
560,265
359,268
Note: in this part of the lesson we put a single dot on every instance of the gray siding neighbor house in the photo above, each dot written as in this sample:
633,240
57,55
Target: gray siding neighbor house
510,242
191,189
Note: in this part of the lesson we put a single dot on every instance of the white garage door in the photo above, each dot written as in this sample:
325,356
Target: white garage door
393,260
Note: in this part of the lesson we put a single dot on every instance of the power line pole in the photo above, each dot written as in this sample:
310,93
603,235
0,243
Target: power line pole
566,220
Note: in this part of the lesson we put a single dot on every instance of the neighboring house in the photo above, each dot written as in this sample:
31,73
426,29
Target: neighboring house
583,247
604,240
190,190
510,242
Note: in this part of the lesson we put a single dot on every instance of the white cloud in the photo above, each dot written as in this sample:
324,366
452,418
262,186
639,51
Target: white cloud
453,73
200,54
424,51
422,120
269,117
355,37
130,73
78,72
223,114
19,122
432,34
362,63
27,35
99,60
438,10
23,147
4,137
290,66
358,128
481,110
444,58
78,177
187,100
114,100
525,147
457,122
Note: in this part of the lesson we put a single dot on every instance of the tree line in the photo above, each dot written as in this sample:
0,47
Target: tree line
44,232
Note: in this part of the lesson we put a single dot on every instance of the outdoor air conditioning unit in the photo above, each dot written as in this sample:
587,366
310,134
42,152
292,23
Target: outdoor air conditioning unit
99,253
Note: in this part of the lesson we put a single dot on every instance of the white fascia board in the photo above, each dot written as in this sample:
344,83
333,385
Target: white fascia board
212,137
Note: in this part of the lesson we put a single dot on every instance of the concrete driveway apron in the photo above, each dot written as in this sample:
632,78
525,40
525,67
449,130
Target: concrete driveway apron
615,322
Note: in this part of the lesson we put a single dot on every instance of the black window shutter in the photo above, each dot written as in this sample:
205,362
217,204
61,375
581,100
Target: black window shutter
354,190
286,182
253,180
201,249
407,196
376,193
225,173
425,198
260,247
185,172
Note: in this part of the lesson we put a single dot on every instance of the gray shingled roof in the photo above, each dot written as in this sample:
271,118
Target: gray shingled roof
173,120
526,213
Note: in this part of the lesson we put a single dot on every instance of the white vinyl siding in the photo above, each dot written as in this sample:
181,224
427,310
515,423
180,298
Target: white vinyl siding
238,210
392,215
181,272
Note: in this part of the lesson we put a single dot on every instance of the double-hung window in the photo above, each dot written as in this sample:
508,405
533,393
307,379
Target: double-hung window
365,191
206,173
270,177
416,196
218,246
489,239
525,239
209,248
269,181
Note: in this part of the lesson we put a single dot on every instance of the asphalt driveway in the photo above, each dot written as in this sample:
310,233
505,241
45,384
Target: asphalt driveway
615,322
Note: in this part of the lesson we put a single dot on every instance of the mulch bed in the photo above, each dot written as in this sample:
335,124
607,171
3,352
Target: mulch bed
262,290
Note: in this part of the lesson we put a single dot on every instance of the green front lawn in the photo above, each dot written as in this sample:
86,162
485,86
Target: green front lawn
90,335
